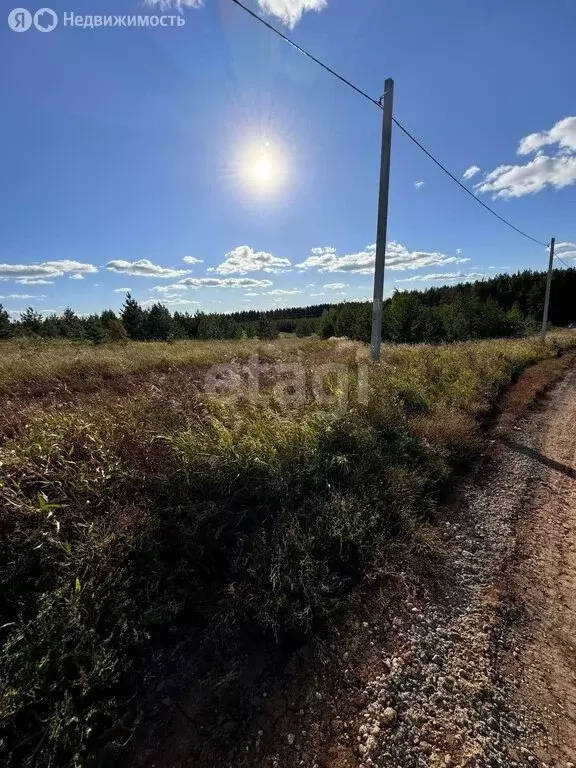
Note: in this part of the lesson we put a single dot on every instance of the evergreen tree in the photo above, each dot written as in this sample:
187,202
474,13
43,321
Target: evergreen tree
51,327
266,329
70,325
517,323
6,330
287,326
345,321
405,319
490,320
327,323
158,323
31,322
535,299
250,330
133,319
208,327
232,329
305,326
94,331
363,325
177,331
107,317
188,323
116,331
456,320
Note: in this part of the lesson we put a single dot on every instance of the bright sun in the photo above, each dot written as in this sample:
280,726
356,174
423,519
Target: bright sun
263,167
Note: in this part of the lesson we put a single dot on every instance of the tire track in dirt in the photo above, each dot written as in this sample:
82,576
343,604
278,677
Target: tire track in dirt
541,662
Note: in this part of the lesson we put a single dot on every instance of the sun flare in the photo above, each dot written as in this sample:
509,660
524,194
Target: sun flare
263,168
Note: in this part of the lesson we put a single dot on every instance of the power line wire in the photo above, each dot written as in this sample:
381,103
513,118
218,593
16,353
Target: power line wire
464,187
563,262
378,103
307,53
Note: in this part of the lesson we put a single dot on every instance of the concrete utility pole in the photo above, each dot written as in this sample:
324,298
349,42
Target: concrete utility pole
388,102
548,286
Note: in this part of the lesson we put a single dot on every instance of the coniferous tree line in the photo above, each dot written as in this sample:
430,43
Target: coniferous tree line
504,306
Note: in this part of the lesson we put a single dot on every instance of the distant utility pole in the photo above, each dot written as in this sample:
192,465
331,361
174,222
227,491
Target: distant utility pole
548,286
388,102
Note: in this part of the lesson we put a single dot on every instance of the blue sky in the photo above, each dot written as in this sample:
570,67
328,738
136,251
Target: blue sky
213,166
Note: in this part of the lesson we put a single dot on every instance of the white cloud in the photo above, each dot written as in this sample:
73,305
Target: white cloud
251,294
144,268
327,260
178,4
519,180
282,292
192,260
459,251
34,281
288,11
398,257
122,290
174,301
562,133
442,276
47,271
172,298
68,265
244,259
565,250
469,172
335,286
24,296
225,282
77,276
556,169
168,288
17,312
419,184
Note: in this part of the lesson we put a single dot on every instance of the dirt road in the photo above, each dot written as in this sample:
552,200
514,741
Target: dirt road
474,668
542,582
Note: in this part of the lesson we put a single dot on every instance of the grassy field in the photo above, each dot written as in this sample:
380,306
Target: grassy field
137,532
28,360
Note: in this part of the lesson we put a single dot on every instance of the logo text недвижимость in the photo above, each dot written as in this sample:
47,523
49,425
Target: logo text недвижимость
46,20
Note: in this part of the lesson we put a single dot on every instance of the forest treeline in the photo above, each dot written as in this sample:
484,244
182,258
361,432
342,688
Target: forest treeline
504,306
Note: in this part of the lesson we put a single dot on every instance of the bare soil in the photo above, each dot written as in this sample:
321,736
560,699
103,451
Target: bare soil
540,582
463,654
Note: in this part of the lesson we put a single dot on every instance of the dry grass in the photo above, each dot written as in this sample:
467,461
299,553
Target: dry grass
28,360
140,531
